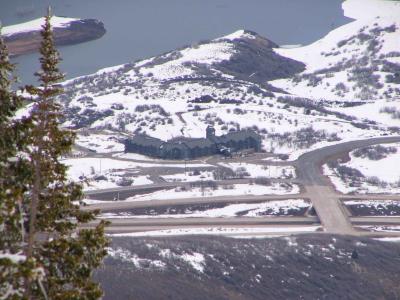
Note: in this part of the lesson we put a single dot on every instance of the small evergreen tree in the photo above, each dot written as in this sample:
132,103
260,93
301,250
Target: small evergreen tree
66,253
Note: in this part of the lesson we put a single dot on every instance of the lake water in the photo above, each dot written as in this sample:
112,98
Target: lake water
143,28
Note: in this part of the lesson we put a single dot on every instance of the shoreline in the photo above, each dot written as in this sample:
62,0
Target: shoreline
70,33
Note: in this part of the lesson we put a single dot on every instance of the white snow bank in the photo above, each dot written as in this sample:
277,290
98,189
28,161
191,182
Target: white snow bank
372,203
13,257
386,169
367,9
381,228
234,190
389,239
189,177
100,143
85,166
139,263
196,260
224,231
254,170
232,210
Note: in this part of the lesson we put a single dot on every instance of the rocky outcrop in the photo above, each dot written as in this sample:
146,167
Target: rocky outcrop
77,31
255,60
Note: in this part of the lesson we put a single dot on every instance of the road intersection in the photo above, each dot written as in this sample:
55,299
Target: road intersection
327,202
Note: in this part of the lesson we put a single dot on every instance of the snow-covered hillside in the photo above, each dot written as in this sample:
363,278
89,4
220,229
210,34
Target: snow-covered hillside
357,61
297,99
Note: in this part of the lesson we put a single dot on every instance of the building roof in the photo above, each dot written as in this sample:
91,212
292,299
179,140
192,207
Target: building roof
145,140
192,142
238,135
184,142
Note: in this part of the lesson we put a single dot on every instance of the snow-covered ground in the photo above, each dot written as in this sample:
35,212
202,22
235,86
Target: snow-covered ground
331,62
113,179
389,239
104,173
134,259
135,156
254,170
84,166
231,190
386,169
234,231
100,143
382,228
373,203
194,259
263,209
189,176
377,175
35,25
384,208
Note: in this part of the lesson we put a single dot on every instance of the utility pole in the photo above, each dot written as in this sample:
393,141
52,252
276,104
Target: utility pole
185,168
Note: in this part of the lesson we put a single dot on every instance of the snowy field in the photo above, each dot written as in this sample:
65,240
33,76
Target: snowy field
221,191
270,208
384,208
332,60
233,190
135,156
113,180
386,169
104,173
100,143
254,170
189,176
369,171
79,167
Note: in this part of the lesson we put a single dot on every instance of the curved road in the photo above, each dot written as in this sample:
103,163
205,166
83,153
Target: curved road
319,190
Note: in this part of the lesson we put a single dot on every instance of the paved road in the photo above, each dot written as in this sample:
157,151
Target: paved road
308,164
318,189
243,221
375,220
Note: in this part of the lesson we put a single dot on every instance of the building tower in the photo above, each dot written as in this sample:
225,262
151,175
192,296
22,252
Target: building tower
210,132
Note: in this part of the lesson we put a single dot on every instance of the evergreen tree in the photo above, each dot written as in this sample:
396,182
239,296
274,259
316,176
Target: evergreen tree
66,253
10,102
14,173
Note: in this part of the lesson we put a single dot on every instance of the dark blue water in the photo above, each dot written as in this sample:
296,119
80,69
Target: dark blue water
143,28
